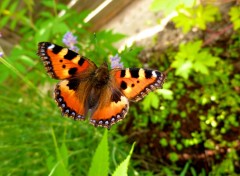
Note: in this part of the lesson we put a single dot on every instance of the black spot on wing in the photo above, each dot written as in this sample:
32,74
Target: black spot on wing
73,84
123,85
72,71
159,74
123,73
116,96
70,55
81,60
63,66
56,49
134,72
148,74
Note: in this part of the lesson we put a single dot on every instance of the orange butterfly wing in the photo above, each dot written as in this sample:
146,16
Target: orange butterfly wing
68,100
74,70
62,63
111,108
135,83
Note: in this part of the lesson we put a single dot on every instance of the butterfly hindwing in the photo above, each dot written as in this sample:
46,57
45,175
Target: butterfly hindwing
135,83
71,97
111,108
62,63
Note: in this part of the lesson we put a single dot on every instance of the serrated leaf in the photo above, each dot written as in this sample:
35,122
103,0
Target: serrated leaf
123,167
200,67
100,161
184,69
197,17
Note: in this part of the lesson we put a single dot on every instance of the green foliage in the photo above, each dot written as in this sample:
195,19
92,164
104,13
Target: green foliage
192,58
235,16
100,160
198,17
169,6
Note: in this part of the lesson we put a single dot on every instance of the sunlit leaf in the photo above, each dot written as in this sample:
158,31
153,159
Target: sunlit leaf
100,160
123,167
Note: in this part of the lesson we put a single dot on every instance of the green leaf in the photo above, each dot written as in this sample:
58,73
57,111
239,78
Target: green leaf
195,17
123,167
13,7
163,142
64,154
152,100
4,21
173,156
235,16
192,58
166,93
184,68
100,161
3,5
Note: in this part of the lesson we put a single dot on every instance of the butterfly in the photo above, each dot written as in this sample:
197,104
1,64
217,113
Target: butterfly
85,88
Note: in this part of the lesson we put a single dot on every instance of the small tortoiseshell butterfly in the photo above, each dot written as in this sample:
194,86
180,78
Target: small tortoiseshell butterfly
85,87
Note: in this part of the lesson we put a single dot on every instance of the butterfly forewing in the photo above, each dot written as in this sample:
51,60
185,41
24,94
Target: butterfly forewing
62,63
135,83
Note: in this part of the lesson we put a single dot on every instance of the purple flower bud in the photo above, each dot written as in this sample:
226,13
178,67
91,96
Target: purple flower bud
115,62
1,54
70,40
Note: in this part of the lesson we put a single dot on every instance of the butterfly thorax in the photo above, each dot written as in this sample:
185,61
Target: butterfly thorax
101,76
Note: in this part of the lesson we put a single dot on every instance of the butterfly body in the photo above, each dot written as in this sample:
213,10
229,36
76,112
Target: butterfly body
85,88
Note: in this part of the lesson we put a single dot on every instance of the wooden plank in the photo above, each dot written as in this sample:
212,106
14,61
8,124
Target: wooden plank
87,5
108,13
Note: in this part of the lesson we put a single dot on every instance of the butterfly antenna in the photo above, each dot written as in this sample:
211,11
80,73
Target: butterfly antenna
95,41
